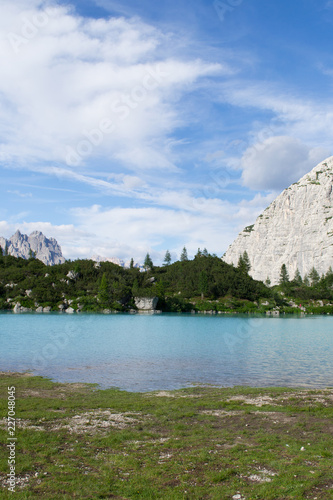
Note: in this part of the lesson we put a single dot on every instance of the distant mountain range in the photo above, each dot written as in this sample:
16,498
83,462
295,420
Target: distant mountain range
296,230
114,260
45,249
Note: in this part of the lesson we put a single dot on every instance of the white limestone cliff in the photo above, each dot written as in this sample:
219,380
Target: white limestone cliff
45,249
296,230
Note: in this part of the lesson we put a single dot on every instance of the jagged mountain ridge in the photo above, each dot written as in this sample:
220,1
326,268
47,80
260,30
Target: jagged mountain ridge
45,249
296,229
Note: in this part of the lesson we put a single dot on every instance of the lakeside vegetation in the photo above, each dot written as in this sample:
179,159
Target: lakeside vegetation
74,441
204,284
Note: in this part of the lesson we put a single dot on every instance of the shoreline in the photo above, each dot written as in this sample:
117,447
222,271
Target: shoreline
198,442
193,385
269,314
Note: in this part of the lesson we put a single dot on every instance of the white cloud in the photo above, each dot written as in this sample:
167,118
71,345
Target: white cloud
74,89
309,120
277,162
132,232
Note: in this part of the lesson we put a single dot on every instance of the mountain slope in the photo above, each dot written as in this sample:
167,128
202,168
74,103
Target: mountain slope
45,249
296,229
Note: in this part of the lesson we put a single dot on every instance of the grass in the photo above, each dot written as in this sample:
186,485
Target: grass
75,441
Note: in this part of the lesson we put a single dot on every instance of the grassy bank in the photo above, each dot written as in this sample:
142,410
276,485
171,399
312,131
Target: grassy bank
74,441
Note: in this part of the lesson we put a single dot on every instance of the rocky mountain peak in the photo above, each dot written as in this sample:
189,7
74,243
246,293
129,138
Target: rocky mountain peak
296,229
45,249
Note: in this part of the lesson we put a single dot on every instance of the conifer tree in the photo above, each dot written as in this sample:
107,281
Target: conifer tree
148,263
244,262
167,258
198,254
298,278
183,255
284,276
314,277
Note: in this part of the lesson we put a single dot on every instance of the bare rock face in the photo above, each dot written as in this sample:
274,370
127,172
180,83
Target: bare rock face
146,303
296,230
45,249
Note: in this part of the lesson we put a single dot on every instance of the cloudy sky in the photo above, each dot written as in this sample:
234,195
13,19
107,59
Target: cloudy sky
131,127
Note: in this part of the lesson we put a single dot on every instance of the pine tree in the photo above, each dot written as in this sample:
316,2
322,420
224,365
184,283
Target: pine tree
167,258
198,254
306,281
244,263
314,277
329,272
183,255
298,278
284,276
132,263
205,252
148,263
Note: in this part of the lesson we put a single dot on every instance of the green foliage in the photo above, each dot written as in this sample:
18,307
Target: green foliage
284,276
204,283
32,254
211,276
183,255
148,263
167,258
298,278
103,292
314,277
198,254
244,264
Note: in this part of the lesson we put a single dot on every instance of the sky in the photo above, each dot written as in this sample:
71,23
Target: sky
131,127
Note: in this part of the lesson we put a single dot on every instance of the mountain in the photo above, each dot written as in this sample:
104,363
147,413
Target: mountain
114,260
46,249
296,230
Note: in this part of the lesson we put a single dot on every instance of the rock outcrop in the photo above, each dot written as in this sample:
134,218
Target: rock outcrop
146,303
45,249
296,230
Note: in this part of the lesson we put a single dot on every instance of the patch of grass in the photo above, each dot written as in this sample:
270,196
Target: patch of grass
75,441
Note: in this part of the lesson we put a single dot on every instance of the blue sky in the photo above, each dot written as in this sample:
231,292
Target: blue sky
131,127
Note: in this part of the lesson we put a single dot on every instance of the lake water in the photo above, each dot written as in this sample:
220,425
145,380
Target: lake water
170,351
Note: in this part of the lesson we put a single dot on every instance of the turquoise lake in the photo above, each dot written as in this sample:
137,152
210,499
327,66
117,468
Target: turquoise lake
170,351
